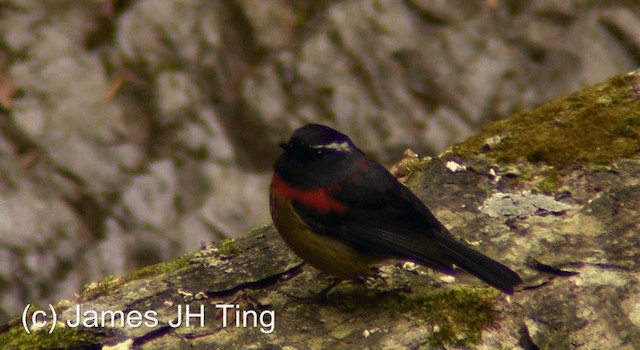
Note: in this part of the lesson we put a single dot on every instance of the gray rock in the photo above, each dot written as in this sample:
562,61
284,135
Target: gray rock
121,110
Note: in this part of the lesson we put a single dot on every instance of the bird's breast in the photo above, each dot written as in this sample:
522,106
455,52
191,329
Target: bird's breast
318,198
320,251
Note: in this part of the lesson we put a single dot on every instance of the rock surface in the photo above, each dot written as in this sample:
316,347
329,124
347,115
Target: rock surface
569,229
130,131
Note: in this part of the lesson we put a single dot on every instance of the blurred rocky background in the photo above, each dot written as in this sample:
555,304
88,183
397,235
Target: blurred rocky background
133,130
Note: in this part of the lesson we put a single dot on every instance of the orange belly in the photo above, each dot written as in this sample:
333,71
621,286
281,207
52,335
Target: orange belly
320,251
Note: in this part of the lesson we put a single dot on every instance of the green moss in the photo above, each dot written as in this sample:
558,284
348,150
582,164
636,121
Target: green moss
409,163
458,315
228,247
95,289
594,126
549,184
160,268
600,167
61,338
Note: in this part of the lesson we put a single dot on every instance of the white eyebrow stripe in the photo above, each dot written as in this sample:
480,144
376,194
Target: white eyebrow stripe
341,147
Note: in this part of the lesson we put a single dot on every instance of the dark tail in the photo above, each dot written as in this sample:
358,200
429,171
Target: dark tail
480,265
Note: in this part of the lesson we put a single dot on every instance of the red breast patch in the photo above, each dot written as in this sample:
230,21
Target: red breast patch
318,198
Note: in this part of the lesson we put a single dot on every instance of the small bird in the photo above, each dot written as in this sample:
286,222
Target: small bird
343,212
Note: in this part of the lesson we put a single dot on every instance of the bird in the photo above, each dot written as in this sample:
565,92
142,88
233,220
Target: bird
343,212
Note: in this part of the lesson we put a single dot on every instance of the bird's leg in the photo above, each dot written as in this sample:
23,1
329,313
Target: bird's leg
322,295
376,275
324,292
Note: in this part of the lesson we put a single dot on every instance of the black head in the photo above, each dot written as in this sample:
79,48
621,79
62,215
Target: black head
315,140
315,154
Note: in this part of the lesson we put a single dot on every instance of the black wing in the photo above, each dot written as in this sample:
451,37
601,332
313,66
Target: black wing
385,218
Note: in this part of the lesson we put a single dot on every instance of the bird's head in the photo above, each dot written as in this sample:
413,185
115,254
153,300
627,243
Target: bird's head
317,154
315,141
